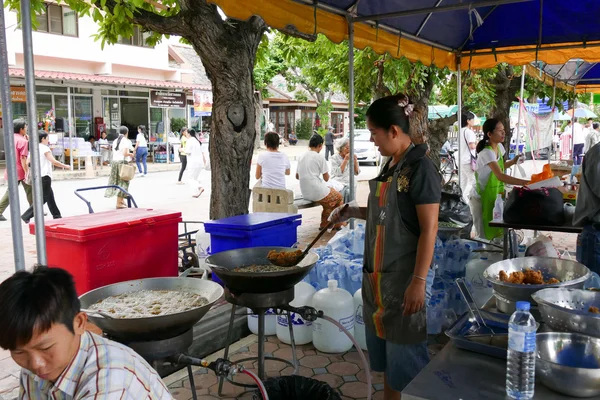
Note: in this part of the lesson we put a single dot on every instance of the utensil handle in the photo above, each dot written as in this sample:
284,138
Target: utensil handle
464,291
321,233
94,312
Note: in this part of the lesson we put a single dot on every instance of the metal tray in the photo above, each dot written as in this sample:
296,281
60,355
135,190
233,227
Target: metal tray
485,344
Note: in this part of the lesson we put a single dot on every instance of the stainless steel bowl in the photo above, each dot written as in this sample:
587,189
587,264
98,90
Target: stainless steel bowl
569,363
570,273
567,310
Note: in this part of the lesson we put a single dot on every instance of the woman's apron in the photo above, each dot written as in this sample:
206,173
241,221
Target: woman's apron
488,198
390,256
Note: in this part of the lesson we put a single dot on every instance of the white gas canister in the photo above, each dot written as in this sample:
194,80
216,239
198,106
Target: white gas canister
303,295
338,304
270,322
359,324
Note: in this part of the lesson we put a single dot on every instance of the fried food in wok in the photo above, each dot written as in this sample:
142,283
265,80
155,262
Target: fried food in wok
526,277
594,310
284,257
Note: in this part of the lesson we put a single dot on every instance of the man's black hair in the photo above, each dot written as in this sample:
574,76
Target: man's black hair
19,124
34,301
272,140
315,141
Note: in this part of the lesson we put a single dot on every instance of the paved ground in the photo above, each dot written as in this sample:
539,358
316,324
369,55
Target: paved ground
158,190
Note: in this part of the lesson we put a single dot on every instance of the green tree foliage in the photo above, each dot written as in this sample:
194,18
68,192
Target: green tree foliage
304,128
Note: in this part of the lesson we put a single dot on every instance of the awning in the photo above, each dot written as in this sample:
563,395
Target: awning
585,76
105,79
438,32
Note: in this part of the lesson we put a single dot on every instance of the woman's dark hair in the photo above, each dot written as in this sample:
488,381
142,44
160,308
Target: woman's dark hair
43,135
33,302
315,141
123,130
143,129
488,127
465,118
193,134
272,140
595,125
385,112
182,131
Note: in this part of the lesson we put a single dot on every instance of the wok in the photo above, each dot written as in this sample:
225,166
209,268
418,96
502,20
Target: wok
222,264
158,327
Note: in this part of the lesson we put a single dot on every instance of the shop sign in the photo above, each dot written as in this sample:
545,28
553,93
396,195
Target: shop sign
160,98
17,94
202,103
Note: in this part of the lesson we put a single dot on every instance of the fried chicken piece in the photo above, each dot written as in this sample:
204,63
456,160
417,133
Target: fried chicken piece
533,277
594,310
503,276
284,258
552,281
517,277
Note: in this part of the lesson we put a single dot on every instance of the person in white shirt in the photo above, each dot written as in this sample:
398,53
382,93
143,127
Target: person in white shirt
196,160
340,168
313,172
47,160
272,166
593,137
141,150
578,143
467,142
104,148
121,155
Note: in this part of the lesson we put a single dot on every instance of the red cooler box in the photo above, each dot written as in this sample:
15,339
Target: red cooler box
114,246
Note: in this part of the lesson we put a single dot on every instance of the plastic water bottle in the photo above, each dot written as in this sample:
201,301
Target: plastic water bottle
498,208
520,363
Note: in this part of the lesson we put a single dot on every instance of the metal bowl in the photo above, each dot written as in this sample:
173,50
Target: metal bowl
567,310
569,363
570,273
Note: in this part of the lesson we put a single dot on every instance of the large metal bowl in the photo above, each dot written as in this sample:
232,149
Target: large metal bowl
567,310
156,327
570,273
569,363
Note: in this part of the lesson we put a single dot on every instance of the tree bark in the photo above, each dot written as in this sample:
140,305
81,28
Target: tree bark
419,117
506,90
228,50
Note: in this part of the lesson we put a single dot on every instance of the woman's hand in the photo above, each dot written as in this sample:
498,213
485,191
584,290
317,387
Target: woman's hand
414,297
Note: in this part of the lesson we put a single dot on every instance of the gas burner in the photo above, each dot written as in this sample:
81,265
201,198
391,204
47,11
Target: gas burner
156,350
257,301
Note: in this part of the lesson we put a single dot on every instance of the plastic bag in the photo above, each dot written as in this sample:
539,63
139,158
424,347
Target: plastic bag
455,210
541,246
297,387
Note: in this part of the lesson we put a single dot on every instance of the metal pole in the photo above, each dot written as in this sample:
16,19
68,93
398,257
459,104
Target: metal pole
70,116
553,125
34,149
459,121
518,140
9,146
573,125
350,164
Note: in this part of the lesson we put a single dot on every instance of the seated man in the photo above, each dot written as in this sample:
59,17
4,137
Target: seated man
44,329
293,139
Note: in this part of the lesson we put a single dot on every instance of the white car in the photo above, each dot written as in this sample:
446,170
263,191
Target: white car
365,150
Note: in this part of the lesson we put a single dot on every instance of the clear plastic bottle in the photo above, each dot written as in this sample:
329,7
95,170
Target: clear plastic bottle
498,208
520,362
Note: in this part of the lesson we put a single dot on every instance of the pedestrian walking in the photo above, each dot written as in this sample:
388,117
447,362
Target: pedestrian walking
329,137
141,150
21,152
121,155
468,157
196,162
182,156
47,160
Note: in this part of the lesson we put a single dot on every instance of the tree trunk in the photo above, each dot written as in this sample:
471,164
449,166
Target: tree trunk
438,134
419,117
228,50
506,90
380,90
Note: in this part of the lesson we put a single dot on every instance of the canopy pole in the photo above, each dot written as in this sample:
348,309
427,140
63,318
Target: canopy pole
9,145
518,140
553,125
459,120
573,125
351,109
70,117
34,149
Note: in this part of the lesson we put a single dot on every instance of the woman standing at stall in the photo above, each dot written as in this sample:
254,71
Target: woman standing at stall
182,155
402,223
490,177
121,155
196,161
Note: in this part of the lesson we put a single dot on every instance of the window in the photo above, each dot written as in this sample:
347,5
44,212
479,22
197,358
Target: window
137,39
58,19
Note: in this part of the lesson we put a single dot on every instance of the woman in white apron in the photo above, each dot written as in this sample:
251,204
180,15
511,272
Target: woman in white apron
402,223
196,160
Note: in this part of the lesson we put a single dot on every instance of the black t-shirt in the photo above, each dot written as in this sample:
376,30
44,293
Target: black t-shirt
422,185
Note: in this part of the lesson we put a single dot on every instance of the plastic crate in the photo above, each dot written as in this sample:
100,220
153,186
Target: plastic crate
253,230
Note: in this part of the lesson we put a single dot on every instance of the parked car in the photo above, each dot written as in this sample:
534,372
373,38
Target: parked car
365,150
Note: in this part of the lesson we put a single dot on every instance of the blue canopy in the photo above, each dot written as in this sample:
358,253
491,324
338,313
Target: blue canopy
577,73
